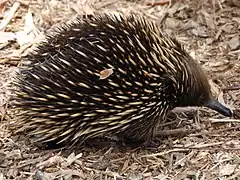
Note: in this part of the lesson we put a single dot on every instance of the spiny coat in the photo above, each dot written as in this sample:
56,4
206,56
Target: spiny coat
62,96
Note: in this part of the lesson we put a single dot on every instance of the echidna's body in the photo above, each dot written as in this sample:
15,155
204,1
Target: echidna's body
65,99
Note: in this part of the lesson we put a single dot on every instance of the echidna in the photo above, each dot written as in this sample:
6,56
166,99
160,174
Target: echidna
107,75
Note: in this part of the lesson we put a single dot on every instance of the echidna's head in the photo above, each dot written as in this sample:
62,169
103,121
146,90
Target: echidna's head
197,90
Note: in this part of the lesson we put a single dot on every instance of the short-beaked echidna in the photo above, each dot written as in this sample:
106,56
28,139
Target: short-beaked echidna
107,75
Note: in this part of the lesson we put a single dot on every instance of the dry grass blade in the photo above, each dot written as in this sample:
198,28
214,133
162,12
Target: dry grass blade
165,152
10,15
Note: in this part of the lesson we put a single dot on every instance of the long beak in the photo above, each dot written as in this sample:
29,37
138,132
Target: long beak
217,106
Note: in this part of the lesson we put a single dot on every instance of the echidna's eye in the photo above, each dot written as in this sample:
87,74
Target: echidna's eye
201,99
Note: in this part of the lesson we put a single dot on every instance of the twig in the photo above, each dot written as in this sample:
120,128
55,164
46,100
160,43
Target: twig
180,131
11,14
218,131
235,176
223,120
182,159
200,146
234,52
119,159
158,3
231,88
208,148
185,110
2,2
107,173
34,161
104,5
219,4
165,152
219,163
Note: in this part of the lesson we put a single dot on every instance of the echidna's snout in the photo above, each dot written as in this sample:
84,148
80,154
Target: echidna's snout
217,106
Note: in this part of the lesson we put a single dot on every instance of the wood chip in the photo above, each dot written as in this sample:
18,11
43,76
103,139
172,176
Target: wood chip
105,73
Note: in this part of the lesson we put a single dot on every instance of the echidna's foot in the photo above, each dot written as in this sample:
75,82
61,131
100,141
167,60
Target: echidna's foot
49,145
56,144
146,144
115,141
150,144
104,141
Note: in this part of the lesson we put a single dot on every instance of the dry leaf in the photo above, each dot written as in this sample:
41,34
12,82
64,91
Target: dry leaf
214,88
105,73
234,43
209,20
227,170
50,162
6,36
201,32
161,176
125,165
10,15
1,177
29,33
70,159
101,165
173,23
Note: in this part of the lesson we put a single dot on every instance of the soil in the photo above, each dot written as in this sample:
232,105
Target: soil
195,144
